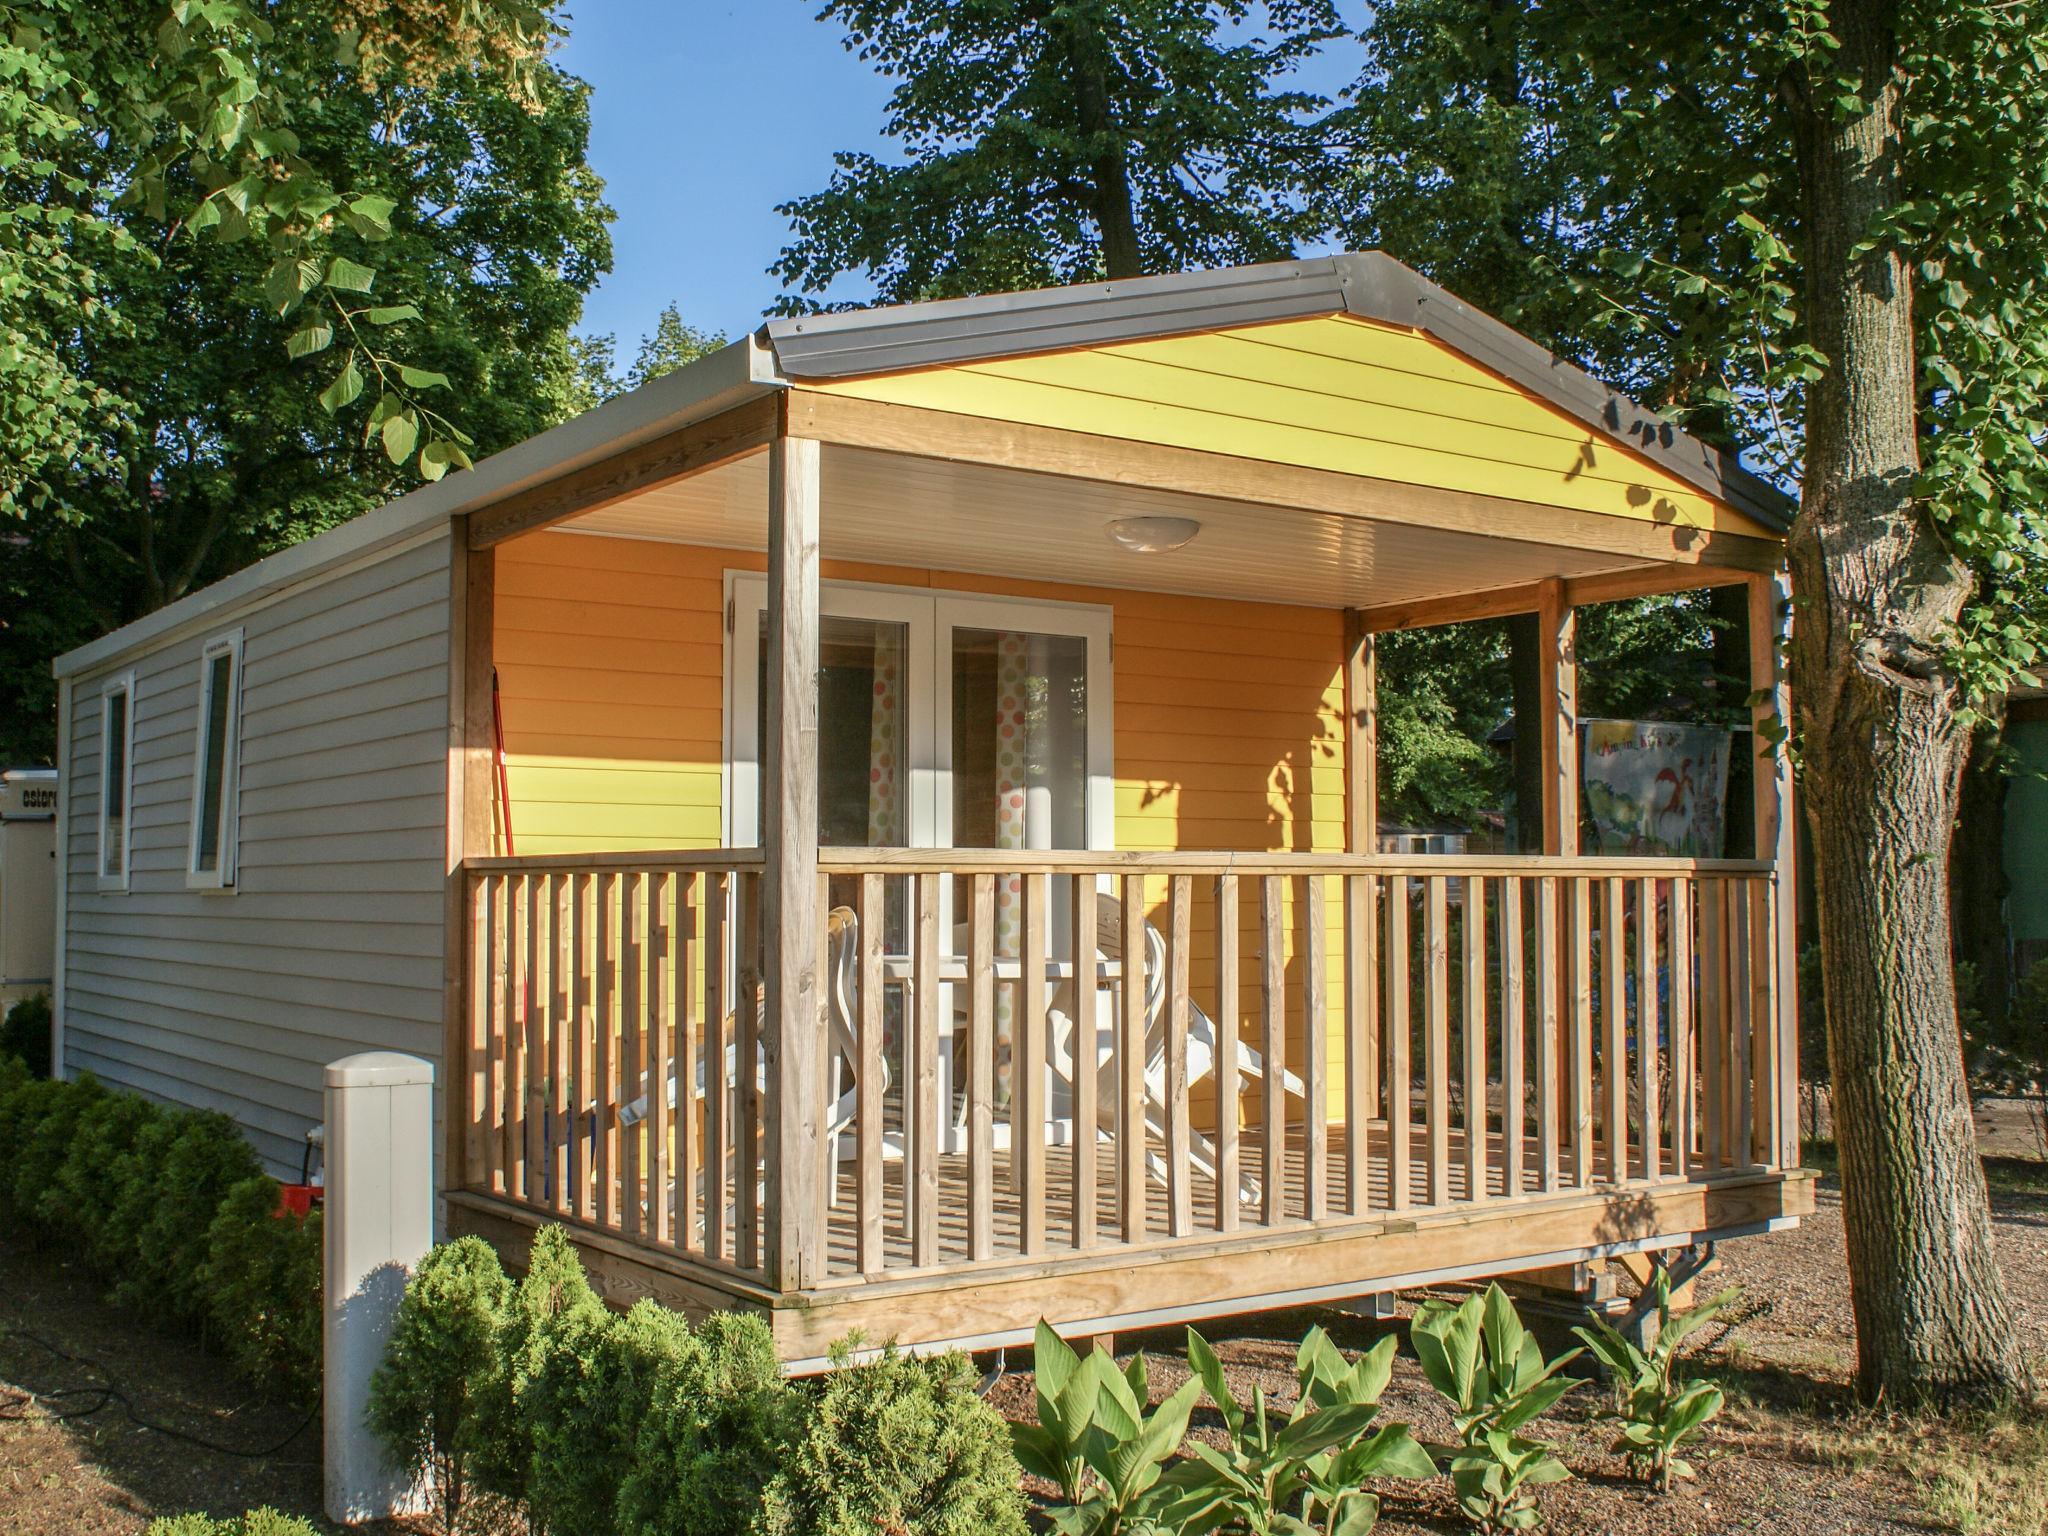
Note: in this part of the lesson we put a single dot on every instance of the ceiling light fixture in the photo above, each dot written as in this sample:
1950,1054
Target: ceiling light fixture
1153,535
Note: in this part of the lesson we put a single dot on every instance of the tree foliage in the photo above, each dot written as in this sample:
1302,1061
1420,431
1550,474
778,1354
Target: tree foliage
211,443
1054,141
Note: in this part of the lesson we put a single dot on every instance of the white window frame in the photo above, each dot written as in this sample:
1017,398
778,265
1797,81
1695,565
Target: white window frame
932,614
124,685
222,876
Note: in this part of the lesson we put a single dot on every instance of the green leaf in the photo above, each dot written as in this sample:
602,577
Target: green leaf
314,336
401,432
347,385
421,378
349,276
391,314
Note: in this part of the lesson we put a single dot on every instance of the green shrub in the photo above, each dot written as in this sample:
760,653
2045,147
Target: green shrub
47,1116
579,1389
82,1194
207,1157
258,1522
440,1367
716,1416
26,1034
901,1444
261,1277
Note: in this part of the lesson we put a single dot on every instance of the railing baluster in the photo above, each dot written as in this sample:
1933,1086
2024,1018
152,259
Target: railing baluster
1583,1108
1648,1055
1513,1113
872,1101
503,1010
1180,1219
1614,1051
1085,1056
1130,1060
606,1148
1549,1037
721,995
632,1165
981,1066
535,1065
1684,1156
1229,1082
561,1028
1763,1016
1400,1074
689,1111
1475,1038
582,1103
1315,1055
1273,1041
1361,1036
1742,1025
1713,1021
745,1074
1437,1039
659,1116
1027,1075
923,1193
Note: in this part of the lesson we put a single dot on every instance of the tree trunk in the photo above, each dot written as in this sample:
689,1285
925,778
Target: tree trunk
1977,881
1109,171
1884,757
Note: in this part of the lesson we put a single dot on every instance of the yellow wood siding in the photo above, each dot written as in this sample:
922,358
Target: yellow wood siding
1334,393
610,657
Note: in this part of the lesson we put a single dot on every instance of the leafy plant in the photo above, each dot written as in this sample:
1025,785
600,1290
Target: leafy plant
1656,1411
207,1156
1308,1474
26,1033
899,1444
257,1522
1094,1439
1480,1357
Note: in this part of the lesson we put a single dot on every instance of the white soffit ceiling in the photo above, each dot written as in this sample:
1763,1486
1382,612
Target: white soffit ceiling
896,509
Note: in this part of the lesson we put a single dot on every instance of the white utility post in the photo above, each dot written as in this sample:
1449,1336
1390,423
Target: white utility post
379,1224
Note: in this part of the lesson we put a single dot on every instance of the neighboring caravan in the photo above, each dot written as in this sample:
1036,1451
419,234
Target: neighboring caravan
878,826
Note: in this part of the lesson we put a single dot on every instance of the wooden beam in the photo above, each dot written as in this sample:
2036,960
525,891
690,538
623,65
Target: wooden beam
1777,840
1362,735
1558,722
686,451
789,907
471,606
1579,591
1084,455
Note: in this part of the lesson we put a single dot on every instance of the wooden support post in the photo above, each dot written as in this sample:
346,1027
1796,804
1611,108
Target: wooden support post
1777,841
1362,735
790,919
1362,1045
1557,726
467,1053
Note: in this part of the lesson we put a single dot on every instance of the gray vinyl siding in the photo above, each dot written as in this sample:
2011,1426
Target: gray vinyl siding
330,942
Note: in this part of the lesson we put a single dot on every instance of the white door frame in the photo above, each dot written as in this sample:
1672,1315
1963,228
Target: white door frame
930,615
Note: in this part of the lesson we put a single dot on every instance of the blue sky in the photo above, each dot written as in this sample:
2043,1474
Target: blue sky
704,115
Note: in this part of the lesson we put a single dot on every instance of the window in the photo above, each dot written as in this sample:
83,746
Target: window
215,767
117,779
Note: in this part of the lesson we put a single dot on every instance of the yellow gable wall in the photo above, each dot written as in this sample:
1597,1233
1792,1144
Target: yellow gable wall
1335,393
1228,724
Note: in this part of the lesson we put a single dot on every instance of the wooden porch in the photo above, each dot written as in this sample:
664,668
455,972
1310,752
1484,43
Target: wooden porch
1490,1064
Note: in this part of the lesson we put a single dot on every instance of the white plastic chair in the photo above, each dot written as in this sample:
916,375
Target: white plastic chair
1201,1054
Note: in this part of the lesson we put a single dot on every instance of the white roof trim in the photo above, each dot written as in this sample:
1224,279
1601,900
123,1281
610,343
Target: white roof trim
733,374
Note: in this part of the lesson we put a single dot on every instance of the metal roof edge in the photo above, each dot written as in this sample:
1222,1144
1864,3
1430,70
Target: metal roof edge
713,383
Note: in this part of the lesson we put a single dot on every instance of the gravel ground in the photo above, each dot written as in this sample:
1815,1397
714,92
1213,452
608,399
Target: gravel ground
1792,1455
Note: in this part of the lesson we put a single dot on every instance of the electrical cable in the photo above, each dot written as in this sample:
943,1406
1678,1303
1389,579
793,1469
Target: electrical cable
24,1406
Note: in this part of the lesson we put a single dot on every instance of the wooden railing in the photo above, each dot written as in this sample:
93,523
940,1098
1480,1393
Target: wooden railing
1289,1039
604,1077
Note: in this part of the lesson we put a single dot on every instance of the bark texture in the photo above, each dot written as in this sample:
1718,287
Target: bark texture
1884,759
